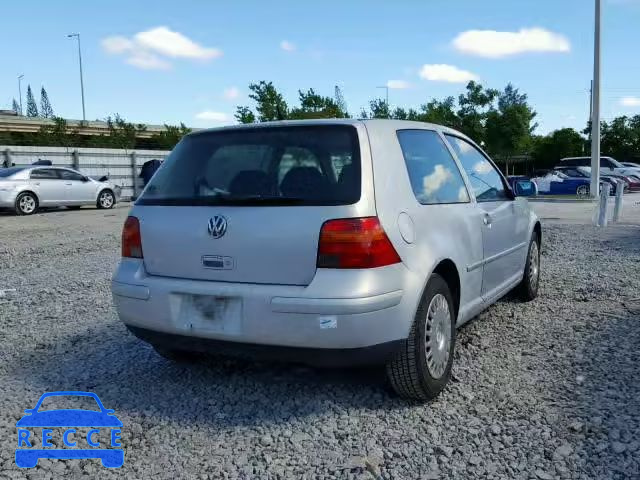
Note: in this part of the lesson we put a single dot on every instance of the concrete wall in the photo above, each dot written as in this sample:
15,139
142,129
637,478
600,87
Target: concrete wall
122,166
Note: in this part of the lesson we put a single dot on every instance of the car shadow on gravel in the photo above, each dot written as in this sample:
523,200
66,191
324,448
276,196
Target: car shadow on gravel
130,377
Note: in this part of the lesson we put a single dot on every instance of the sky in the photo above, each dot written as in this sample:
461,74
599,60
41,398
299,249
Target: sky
192,61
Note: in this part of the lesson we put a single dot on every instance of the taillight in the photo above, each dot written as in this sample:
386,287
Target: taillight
355,243
131,240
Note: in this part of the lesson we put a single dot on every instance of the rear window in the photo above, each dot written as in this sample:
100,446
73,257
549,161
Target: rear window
316,165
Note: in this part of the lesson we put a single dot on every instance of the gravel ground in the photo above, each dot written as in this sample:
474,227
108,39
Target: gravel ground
549,389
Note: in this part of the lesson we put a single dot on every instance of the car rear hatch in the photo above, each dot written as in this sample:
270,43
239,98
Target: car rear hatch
247,204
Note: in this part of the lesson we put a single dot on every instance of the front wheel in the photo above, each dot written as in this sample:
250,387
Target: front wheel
528,288
26,204
583,191
422,368
106,199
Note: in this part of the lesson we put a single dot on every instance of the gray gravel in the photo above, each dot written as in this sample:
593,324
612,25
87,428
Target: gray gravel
544,390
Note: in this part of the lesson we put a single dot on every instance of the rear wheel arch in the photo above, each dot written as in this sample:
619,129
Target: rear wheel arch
449,272
537,229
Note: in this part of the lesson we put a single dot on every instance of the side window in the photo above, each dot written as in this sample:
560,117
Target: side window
435,177
69,175
44,174
606,163
486,181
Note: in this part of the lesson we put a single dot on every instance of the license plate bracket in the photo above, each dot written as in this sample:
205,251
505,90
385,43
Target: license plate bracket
212,313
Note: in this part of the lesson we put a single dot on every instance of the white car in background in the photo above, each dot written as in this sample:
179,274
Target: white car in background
25,189
608,165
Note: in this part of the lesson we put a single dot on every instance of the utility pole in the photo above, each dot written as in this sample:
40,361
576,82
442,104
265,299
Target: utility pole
77,35
20,91
595,108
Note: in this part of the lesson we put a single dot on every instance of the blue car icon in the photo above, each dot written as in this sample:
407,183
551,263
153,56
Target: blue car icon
69,418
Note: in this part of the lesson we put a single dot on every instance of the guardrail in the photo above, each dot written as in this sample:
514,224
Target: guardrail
122,166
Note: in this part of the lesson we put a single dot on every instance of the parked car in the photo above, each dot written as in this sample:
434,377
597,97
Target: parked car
631,165
608,165
327,242
584,173
25,189
556,182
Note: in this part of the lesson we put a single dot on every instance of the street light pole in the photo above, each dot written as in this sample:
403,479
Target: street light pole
387,89
77,35
20,91
595,109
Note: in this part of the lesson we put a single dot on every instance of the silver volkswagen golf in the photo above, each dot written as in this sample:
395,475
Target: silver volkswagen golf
330,242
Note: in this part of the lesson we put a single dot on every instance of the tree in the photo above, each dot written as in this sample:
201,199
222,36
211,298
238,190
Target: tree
440,112
57,134
15,106
270,104
620,138
45,107
547,150
473,109
379,109
32,108
509,128
245,115
170,136
339,100
122,134
313,105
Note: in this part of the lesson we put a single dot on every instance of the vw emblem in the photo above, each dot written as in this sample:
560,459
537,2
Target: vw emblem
217,226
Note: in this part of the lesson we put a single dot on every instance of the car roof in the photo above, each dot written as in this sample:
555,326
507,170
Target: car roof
389,123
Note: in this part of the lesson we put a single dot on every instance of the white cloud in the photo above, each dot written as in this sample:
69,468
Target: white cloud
117,44
630,102
482,167
446,73
432,183
398,84
147,61
494,44
174,44
150,49
463,196
211,116
231,93
287,46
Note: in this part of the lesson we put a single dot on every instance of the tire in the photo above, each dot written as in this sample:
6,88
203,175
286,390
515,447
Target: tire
583,191
26,204
415,372
106,199
178,356
528,288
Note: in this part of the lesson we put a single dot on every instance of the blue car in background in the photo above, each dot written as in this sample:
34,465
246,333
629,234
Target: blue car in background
69,418
557,183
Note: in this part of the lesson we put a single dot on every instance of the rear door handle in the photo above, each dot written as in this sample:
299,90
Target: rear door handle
69,183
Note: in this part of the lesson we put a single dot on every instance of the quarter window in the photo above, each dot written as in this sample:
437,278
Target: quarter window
69,175
485,179
435,177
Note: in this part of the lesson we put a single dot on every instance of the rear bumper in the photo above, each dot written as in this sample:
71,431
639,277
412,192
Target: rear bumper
319,357
364,313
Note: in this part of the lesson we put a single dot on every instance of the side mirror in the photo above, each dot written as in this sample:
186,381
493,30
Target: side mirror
85,179
525,188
